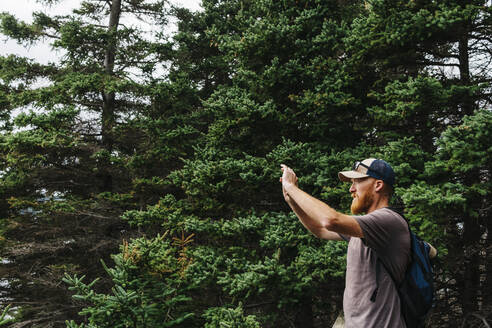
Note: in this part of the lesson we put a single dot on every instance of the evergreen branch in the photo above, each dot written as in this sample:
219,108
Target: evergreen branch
251,306
51,36
98,216
4,321
433,63
439,54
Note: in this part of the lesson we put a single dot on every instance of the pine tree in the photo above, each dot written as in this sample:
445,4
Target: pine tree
428,63
275,107
83,140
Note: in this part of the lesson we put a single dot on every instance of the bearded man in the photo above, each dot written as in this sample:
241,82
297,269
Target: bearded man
370,299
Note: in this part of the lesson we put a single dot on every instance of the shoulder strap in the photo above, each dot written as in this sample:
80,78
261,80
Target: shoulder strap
379,262
378,272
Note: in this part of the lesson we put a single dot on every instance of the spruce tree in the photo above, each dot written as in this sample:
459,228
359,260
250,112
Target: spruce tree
285,98
428,65
84,139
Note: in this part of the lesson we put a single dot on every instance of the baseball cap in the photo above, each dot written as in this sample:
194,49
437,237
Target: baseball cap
370,167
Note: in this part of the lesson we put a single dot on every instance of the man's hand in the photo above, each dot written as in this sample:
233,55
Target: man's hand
288,178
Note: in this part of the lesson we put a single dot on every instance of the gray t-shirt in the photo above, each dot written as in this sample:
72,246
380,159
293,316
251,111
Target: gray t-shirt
385,234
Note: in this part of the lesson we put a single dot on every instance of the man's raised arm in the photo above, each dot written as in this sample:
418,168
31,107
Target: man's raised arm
319,218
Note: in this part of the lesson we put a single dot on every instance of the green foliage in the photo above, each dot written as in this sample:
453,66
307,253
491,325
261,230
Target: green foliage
305,88
226,317
5,313
138,133
84,139
423,64
18,30
467,147
146,291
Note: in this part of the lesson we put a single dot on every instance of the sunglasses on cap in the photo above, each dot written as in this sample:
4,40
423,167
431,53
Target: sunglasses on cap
357,164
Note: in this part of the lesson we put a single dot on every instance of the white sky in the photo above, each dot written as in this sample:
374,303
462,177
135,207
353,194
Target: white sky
43,53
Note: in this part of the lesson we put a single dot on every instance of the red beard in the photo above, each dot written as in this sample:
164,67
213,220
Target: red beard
361,204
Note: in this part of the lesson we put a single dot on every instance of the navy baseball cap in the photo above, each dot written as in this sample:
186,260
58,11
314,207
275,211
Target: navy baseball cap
370,167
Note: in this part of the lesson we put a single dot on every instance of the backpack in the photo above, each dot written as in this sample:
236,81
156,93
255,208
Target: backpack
416,291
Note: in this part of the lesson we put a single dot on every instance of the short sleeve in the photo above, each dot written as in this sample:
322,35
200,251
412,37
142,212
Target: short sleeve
381,228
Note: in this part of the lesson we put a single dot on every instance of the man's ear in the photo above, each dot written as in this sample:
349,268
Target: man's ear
378,185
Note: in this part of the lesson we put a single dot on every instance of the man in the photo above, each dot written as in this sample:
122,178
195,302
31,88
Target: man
370,299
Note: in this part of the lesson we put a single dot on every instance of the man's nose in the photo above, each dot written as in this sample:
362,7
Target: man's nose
352,188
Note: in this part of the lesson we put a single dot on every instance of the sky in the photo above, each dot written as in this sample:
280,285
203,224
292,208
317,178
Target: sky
22,9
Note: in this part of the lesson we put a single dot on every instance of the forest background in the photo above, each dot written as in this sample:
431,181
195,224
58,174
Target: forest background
139,181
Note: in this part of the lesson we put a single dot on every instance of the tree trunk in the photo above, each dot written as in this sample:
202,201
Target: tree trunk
108,112
471,278
464,61
471,227
487,285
